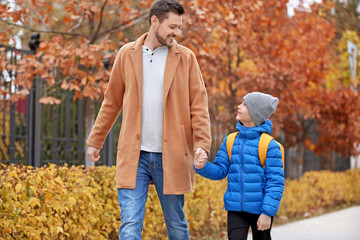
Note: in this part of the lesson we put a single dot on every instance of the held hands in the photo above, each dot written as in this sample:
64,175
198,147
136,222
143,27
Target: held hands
263,222
200,158
93,154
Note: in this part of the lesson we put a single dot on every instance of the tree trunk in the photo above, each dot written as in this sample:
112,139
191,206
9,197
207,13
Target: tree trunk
89,122
295,163
300,153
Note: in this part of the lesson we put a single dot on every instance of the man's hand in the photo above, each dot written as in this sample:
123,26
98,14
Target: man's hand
93,154
263,222
200,158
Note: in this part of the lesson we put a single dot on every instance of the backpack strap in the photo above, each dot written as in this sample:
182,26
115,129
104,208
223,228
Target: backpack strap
282,153
264,142
230,142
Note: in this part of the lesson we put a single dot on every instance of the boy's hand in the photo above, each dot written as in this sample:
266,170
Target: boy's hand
200,158
263,222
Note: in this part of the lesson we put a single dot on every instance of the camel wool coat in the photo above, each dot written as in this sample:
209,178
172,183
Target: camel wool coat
186,122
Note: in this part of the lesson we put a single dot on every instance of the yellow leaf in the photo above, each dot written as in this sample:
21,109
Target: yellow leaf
59,229
72,200
6,230
58,180
48,196
91,78
12,174
34,202
18,187
33,188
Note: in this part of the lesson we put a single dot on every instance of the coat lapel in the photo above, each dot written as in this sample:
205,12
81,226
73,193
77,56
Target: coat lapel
136,58
172,61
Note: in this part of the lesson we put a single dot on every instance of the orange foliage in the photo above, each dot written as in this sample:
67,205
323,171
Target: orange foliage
246,46
76,48
241,46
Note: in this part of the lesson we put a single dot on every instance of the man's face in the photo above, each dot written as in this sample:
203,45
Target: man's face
166,31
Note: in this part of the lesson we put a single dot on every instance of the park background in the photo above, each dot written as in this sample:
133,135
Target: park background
55,60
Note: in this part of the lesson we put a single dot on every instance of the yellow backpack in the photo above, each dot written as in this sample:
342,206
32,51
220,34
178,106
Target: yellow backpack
264,142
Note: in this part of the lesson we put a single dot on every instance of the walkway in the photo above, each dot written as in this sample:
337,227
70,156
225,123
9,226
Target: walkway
338,225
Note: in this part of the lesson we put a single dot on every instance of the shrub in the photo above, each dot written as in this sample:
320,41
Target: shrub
317,191
57,203
60,202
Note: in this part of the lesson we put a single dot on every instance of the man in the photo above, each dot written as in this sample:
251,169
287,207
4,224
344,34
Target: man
158,85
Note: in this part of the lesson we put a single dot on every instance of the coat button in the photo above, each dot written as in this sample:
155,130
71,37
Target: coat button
138,136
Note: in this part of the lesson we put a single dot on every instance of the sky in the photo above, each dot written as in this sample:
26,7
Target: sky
293,3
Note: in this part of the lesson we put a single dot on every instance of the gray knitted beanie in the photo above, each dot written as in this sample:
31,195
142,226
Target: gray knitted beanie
260,106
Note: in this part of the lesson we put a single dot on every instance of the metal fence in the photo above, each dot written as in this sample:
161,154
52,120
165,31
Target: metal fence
34,134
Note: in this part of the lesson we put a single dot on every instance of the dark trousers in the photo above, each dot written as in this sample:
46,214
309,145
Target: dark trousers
239,224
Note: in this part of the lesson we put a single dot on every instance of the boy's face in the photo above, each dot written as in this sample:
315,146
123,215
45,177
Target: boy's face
243,116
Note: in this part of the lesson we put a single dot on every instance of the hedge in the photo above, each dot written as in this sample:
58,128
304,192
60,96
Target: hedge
61,202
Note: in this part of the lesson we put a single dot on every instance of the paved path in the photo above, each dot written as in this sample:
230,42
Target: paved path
338,225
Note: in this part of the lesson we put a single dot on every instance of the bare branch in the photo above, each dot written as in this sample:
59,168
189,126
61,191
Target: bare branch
39,17
100,22
123,26
77,25
43,31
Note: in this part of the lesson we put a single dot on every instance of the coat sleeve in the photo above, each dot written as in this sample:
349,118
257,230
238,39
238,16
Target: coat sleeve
274,180
200,119
219,168
110,107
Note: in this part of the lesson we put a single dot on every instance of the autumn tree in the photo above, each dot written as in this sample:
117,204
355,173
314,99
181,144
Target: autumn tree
241,46
248,46
345,15
79,40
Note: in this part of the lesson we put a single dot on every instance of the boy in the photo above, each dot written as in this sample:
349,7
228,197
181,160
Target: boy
254,193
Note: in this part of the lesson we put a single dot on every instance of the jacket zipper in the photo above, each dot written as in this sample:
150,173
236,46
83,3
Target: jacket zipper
241,175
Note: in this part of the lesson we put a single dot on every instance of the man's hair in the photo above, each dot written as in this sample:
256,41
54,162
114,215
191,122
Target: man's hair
161,8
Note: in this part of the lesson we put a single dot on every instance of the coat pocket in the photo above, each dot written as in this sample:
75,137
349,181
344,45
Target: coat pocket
183,137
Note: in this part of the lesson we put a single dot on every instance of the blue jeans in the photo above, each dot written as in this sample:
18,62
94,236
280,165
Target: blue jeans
132,202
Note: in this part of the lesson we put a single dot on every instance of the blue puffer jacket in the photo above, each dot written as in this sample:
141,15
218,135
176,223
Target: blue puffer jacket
251,188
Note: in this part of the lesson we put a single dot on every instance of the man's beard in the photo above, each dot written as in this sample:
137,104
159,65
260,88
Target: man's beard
161,40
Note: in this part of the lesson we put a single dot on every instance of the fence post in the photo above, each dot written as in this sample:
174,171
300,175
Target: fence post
37,122
108,146
67,125
12,133
30,124
89,122
35,111
81,151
